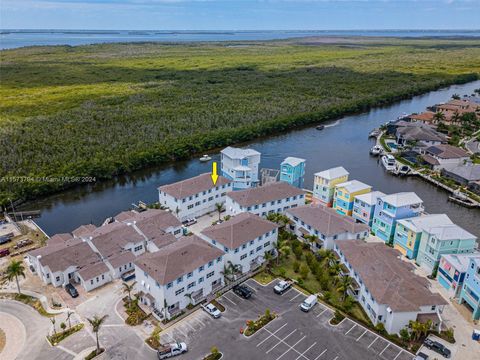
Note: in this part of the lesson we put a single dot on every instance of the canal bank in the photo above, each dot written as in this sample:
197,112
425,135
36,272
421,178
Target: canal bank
341,143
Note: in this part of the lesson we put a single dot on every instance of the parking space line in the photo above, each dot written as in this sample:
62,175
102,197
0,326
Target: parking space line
372,342
190,326
395,358
295,297
336,357
354,325
286,292
280,341
361,335
384,349
322,313
226,298
323,352
231,292
280,328
198,321
293,347
299,356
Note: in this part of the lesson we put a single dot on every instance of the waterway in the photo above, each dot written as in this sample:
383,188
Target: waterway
342,143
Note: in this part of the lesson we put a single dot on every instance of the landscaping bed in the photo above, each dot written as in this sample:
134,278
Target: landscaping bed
264,277
27,300
254,325
154,339
218,305
59,336
93,354
135,314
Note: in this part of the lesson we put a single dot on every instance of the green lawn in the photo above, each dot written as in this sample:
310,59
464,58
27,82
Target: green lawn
100,110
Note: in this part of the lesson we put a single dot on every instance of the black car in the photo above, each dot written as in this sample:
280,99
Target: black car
70,289
242,291
437,347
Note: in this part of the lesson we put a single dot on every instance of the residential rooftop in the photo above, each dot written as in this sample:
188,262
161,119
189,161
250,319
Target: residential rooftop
460,261
92,271
239,230
238,153
83,230
418,223
469,172
326,220
75,253
370,198
178,259
115,240
192,186
265,193
446,151
332,173
353,186
390,280
293,161
420,133
402,199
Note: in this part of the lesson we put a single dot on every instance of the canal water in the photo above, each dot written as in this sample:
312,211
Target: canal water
342,143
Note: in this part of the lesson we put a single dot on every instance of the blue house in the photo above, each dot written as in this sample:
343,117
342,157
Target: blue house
364,207
452,270
391,208
292,171
240,166
470,294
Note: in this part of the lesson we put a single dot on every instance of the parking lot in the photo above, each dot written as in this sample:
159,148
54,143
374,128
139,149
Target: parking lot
293,335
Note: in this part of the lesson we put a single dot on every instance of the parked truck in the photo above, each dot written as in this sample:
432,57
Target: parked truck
172,349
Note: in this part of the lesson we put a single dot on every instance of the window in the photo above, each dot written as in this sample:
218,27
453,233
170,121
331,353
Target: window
225,249
236,250
252,252
219,259
251,242
179,291
190,206
189,275
103,277
434,307
210,198
214,242
91,282
198,203
200,280
272,203
57,278
210,274
156,283
180,279
243,256
190,197
244,246
210,263
138,248
266,244
259,248
169,285
201,268
192,284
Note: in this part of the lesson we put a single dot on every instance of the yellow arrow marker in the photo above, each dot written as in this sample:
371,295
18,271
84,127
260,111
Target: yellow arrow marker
214,174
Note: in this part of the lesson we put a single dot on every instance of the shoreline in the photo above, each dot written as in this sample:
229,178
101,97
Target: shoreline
195,145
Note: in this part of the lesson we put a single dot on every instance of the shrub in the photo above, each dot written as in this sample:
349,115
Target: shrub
337,318
304,271
296,266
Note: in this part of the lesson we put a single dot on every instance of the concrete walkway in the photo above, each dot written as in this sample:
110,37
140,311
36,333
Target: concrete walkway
15,336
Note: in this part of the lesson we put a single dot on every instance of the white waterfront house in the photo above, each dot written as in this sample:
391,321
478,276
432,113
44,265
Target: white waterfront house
387,287
275,197
180,274
325,224
240,166
245,238
195,196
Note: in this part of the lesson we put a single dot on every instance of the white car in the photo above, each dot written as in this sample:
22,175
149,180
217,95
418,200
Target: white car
212,310
282,287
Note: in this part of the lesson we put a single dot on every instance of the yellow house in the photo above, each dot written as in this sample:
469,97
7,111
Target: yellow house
345,195
324,185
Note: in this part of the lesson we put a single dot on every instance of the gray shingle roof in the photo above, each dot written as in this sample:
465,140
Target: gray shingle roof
192,186
265,193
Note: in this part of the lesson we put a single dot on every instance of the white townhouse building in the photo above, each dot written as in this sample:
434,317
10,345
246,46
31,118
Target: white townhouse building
387,287
181,273
94,256
194,197
324,223
275,197
240,166
245,238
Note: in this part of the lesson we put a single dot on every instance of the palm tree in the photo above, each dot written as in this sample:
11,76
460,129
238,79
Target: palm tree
219,207
268,258
455,117
189,296
344,284
127,289
69,314
96,322
312,239
52,320
234,268
226,272
165,308
416,328
14,270
439,116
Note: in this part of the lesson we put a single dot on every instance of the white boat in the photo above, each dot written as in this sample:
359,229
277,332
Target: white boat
389,162
374,133
376,150
205,158
402,169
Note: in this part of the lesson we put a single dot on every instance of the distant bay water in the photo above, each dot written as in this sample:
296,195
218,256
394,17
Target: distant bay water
10,39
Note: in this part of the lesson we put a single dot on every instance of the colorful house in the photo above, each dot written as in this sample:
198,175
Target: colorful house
292,171
324,185
364,207
409,232
240,166
345,194
390,209
443,239
452,270
470,294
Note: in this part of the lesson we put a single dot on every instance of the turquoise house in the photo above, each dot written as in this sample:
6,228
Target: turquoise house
447,238
452,271
390,209
470,294
292,171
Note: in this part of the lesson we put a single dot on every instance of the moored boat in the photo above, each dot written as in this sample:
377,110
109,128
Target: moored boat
320,127
376,150
389,162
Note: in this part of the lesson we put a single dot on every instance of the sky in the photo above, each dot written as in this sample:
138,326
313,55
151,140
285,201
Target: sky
240,14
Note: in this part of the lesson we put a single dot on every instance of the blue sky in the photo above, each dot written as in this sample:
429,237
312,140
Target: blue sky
240,14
